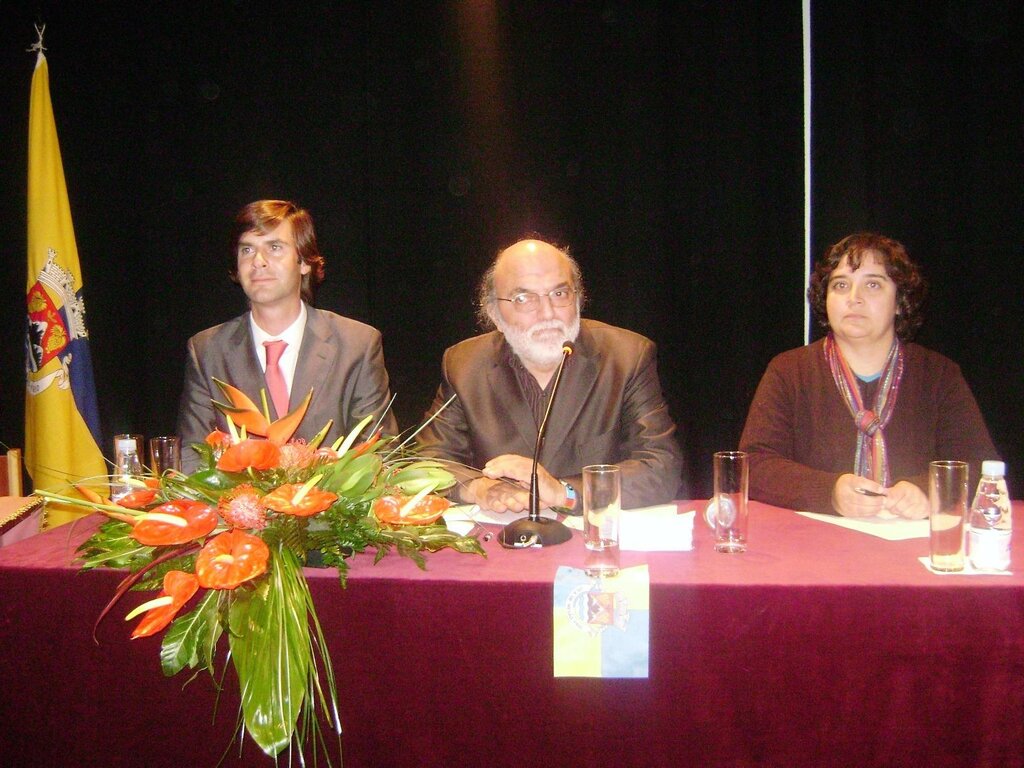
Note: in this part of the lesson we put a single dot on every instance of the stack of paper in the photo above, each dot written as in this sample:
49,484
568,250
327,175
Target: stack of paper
656,529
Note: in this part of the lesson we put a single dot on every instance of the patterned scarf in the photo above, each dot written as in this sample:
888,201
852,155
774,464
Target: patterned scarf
871,460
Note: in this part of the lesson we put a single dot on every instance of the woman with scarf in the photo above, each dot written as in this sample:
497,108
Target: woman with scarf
849,423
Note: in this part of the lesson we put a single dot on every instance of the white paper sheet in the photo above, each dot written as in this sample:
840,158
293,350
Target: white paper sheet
656,529
889,528
968,570
463,518
661,528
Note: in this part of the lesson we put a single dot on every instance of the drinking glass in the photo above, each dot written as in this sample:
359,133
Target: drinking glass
602,506
728,511
947,494
164,454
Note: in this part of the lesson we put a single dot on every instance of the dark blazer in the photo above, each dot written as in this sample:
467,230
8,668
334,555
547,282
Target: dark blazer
609,409
341,360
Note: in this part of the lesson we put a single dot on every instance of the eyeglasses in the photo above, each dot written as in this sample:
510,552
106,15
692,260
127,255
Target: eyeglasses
528,301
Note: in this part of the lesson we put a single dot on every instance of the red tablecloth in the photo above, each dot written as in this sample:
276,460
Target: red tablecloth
819,646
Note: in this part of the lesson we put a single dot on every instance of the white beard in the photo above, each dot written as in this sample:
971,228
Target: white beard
535,347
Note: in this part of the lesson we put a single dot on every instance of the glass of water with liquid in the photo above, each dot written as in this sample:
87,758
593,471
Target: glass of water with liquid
602,507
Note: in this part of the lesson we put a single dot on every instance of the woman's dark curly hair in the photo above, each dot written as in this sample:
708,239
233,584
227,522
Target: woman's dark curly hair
910,284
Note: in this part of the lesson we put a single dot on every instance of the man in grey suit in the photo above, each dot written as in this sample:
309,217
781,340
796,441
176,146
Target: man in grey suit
609,407
278,264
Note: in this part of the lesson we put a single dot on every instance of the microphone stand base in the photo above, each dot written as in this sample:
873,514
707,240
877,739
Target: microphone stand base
525,532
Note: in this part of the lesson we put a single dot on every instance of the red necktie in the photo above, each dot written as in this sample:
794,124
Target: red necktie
275,379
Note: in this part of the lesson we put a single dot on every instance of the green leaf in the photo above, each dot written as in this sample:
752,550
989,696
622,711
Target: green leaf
414,477
154,577
355,478
205,453
343,447
113,546
214,481
270,648
191,639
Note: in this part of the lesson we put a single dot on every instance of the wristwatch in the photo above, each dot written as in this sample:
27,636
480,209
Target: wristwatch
570,495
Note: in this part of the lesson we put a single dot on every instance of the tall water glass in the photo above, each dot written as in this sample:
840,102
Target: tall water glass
602,506
728,511
947,494
164,454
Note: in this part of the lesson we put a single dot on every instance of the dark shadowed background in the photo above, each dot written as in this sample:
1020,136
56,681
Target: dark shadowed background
663,142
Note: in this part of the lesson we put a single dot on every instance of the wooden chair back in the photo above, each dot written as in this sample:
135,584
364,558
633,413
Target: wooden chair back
10,473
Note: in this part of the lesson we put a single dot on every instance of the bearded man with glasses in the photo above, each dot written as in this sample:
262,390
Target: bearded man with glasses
609,410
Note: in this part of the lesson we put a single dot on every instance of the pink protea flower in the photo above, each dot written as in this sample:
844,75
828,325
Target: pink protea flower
297,455
242,507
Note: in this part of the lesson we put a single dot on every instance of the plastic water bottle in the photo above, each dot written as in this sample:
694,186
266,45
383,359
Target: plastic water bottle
990,525
128,465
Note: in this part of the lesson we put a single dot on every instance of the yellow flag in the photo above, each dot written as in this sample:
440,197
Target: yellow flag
62,434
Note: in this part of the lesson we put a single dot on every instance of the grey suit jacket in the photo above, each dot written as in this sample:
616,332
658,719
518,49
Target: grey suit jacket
609,409
341,360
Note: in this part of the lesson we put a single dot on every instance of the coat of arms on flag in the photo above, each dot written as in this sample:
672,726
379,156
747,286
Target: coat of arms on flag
56,318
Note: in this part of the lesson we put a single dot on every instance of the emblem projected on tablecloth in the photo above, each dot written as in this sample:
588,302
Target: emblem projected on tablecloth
593,610
601,626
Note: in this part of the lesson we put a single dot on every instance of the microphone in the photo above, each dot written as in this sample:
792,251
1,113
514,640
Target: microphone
567,349
534,530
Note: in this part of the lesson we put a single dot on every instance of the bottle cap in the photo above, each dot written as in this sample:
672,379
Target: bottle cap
997,468
127,445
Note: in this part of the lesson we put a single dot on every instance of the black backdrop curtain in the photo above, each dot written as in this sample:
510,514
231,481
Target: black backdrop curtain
918,132
661,142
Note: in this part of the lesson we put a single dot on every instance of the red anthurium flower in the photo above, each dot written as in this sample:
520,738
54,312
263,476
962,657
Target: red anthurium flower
290,500
175,522
179,587
388,509
255,454
137,499
134,500
231,558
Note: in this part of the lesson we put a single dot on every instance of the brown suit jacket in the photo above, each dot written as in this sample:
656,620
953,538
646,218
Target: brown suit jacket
341,360
609,409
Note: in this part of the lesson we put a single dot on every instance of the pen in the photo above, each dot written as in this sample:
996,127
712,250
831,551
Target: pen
512,481
867,492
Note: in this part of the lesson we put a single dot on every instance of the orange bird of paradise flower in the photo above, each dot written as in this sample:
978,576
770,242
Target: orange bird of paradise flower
244,413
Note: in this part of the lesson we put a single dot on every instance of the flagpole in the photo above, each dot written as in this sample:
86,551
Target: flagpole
62,434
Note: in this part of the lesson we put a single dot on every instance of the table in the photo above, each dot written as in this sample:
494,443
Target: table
819,646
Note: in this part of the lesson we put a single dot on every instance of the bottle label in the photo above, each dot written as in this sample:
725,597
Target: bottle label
989,550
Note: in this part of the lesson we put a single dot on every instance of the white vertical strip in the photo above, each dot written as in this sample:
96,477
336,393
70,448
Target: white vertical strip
807,162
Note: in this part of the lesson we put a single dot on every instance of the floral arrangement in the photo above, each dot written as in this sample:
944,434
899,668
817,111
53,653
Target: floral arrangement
237,533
